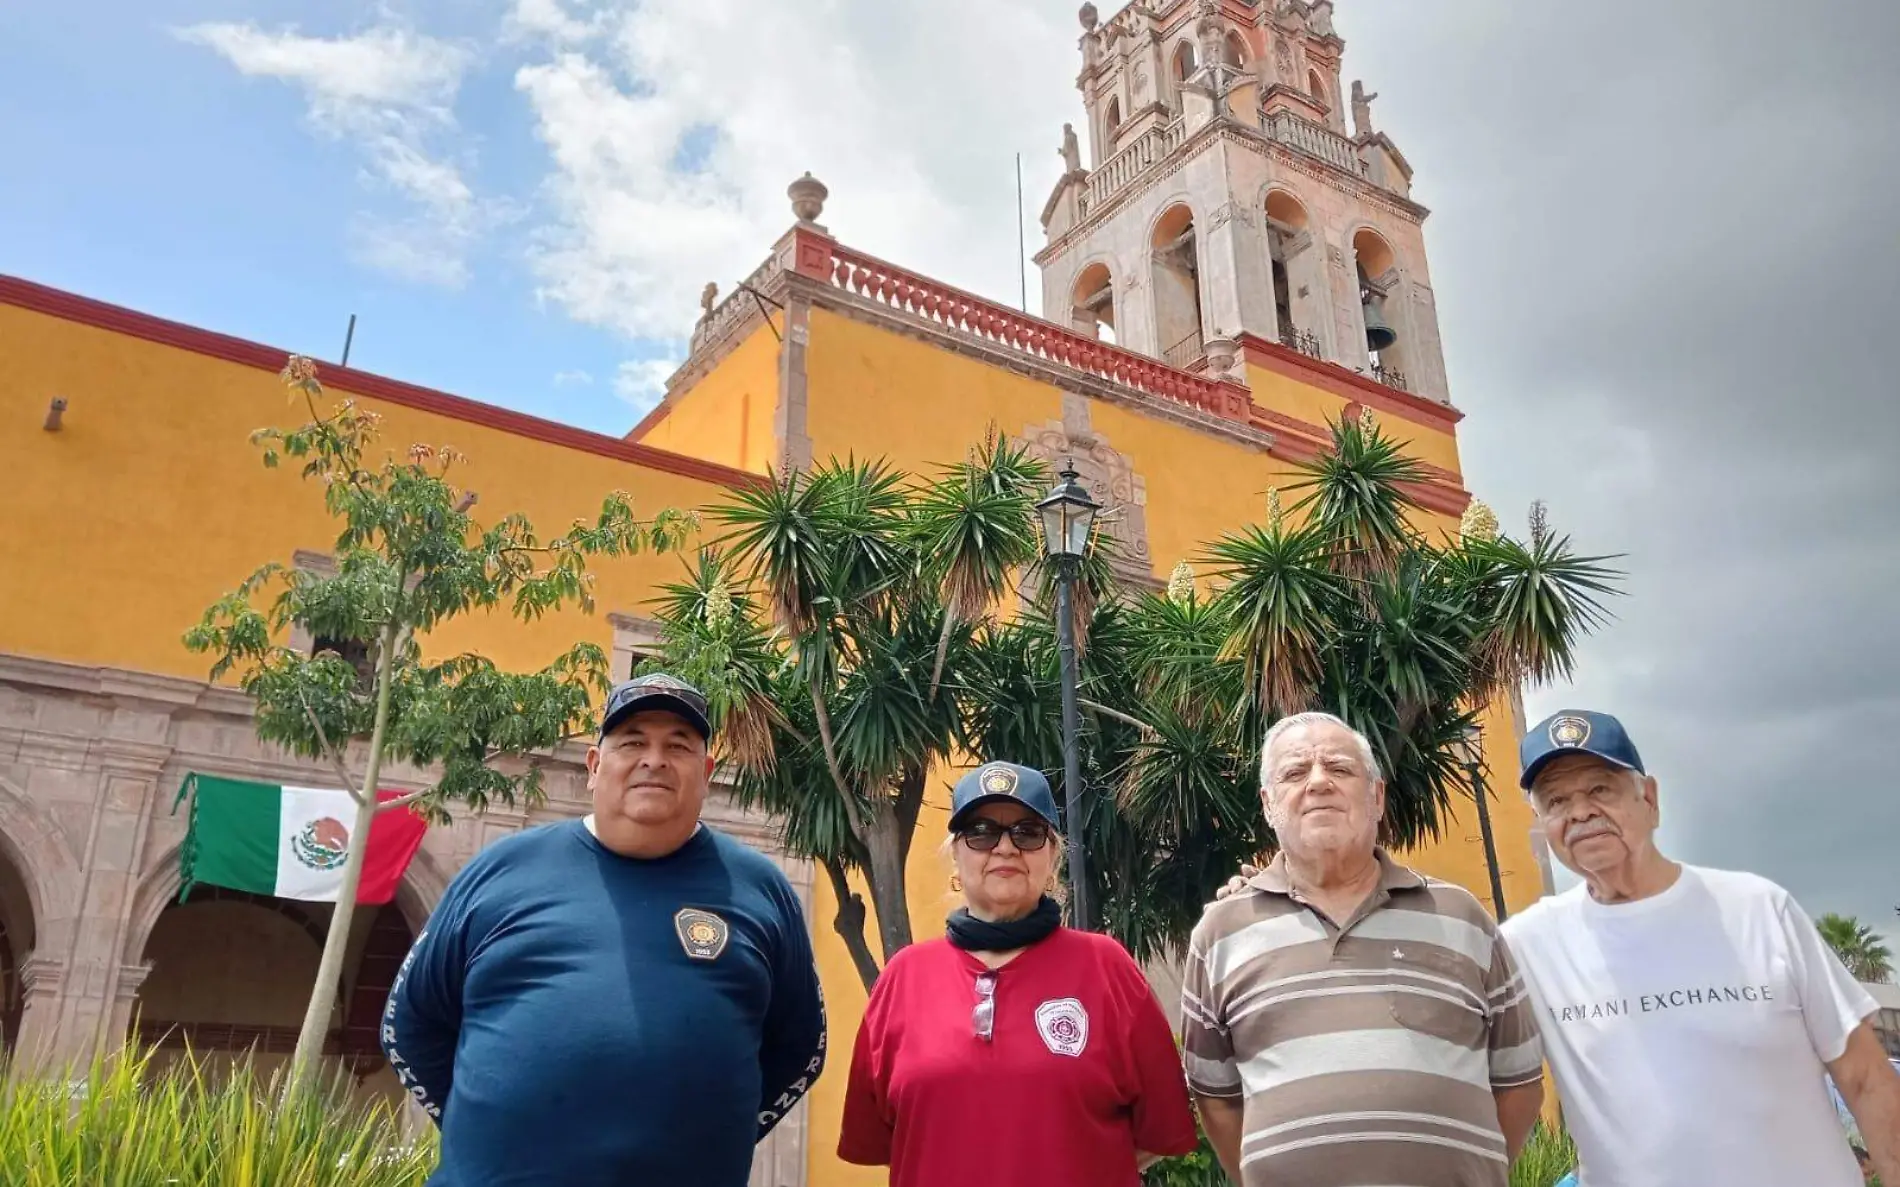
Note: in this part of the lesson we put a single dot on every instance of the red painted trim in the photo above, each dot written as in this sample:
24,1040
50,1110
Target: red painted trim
1332,377
116,319
654,416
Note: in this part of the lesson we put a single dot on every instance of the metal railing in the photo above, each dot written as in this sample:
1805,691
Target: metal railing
1392,377
1304,341
1186,352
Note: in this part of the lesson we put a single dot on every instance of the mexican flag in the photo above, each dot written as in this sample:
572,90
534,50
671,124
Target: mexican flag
290,842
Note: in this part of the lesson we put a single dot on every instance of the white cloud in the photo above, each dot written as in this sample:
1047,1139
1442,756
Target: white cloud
391,93
674,132
549,20
572,378
641,382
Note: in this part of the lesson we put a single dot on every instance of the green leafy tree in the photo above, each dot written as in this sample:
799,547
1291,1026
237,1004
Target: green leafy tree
409,557
1859,947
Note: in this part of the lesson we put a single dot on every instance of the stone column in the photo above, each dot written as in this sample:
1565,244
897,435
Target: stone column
126,774
39,1045
1236,276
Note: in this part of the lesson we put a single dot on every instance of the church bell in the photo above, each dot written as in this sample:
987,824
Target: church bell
1379,335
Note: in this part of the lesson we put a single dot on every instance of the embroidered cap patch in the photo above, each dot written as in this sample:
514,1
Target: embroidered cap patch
702,933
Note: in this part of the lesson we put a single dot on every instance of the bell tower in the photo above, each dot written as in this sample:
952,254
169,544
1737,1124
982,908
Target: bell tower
1227,193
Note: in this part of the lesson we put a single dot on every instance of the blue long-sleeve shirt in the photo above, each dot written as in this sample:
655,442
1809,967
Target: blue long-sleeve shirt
572,1016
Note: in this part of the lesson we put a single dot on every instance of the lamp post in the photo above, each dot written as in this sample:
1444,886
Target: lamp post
1471,751
1068,514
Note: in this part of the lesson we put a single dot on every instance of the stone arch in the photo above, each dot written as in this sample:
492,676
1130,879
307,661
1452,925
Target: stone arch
32,843
1380,275
1296,264
1182,61
1111,122
1093,300
1316,87
1175,264
1234,49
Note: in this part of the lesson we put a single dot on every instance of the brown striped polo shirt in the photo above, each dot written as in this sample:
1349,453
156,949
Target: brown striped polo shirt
1365,1054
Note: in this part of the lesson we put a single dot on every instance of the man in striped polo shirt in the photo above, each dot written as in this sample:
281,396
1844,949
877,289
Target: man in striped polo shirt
1345,1020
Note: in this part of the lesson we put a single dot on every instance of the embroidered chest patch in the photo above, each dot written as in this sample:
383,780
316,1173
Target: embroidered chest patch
1063,1025
702,933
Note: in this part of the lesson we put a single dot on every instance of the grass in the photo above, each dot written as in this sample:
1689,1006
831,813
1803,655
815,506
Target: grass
1546,1158
208,1122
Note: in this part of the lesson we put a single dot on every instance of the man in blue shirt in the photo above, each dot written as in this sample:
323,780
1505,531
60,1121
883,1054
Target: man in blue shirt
625,999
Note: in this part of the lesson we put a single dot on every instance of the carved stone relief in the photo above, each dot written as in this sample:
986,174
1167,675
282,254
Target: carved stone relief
1109,476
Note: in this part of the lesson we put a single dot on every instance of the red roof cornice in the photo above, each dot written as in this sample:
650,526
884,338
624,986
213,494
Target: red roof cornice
70,307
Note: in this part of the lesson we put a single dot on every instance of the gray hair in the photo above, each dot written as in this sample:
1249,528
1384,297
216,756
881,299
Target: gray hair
1297,721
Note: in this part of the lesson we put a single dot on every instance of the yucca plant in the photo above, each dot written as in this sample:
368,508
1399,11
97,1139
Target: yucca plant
206,1122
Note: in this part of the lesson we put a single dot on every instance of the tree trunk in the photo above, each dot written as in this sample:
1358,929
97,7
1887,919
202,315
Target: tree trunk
849,922
316,1019
885,871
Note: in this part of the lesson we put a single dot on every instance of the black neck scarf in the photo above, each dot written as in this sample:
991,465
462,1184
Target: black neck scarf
971,934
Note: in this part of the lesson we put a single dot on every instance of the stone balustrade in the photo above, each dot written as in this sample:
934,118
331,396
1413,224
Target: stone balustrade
970,316
1314,140
1120,170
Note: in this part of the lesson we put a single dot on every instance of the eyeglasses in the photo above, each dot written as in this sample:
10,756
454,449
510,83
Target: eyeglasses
1026,835
983,1018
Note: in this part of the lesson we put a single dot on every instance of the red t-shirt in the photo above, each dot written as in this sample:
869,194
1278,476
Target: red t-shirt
1080,1073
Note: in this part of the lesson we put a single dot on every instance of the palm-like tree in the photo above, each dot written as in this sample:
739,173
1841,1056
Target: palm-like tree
844,602
858,629
1341,604
1859,947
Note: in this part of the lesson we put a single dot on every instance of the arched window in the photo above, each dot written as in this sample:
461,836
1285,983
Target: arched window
1177,288
1094,302
1110,122
1298,281
1316,87
1376,268
1234,50
1184,63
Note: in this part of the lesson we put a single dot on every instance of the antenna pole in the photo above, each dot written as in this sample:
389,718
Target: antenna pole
349,336
1022,247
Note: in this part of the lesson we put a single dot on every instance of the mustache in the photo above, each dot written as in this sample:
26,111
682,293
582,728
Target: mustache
1584,830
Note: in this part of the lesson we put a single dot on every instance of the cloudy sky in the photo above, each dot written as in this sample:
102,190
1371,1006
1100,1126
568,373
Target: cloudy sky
1667,280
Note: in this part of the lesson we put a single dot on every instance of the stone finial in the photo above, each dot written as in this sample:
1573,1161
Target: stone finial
1320,20
808,196
1361,109
1220,356
707,297
1089,18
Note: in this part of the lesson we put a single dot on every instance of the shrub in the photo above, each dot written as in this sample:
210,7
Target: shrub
204,1122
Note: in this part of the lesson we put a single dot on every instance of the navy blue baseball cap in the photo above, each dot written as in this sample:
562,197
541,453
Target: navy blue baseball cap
656,691
994,782
1576,731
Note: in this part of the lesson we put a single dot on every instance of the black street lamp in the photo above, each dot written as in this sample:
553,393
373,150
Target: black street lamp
1068,515
1471,751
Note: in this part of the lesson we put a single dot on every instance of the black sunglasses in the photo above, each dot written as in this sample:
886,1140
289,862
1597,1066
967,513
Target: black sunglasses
985,835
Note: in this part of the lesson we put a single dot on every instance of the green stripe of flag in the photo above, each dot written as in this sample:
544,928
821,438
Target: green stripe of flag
234,835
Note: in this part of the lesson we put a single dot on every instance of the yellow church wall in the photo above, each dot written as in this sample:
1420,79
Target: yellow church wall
150,503
1317,406
725,416
878,394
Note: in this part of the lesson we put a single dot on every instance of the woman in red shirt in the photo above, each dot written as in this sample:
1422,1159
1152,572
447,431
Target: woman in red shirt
1014,1051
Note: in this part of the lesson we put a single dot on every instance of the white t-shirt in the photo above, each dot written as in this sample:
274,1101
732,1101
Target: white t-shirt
1688,1033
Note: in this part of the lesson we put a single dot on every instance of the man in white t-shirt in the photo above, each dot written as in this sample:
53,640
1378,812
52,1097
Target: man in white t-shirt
1689,1015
